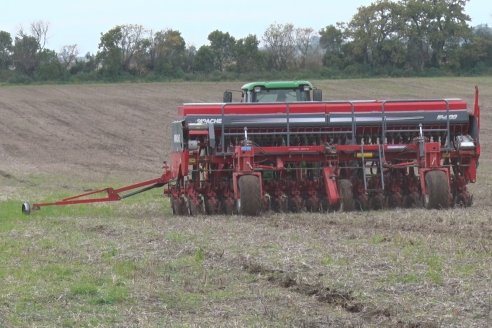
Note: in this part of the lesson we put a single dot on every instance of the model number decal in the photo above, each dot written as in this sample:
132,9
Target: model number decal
445,117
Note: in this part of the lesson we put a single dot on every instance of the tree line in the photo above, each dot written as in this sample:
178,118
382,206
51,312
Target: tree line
385,38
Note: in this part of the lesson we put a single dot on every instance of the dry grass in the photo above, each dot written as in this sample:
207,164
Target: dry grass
132,264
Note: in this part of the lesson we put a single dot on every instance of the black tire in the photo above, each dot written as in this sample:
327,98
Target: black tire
26,208
249,189
437,190
347,202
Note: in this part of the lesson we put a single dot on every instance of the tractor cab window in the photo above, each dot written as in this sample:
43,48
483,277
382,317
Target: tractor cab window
303,94
276,95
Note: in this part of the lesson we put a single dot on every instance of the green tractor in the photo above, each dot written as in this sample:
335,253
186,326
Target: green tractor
276,91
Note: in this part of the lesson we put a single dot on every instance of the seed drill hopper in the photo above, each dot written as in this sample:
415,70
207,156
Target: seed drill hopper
281,148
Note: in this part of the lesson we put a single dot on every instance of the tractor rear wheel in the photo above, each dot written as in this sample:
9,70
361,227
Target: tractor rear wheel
250,200
437,190
347,202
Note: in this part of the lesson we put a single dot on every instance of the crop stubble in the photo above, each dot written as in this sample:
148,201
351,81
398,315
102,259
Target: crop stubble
407,268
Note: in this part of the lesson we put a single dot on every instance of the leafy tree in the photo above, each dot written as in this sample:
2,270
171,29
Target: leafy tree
189,59
304,44
50,68
447,29
84,66
482,38
434,30
124,48
110,53
134,46
5,50
280,45
248,56
140,62
204,60
416,32
168,52
375,33
25,54
384,37
476,53
90,61
222,46
331,40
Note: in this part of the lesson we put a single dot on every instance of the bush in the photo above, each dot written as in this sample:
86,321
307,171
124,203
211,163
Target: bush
19,78
52,72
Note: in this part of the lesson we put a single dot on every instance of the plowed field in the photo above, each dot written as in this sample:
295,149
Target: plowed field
132,264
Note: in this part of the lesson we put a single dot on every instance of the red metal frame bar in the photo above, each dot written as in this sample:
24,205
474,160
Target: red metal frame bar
111,193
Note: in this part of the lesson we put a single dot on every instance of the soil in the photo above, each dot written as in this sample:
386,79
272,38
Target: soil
123,130
91,130
334,270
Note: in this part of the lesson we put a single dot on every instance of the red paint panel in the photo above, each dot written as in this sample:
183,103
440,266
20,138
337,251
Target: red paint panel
331,188
327,107
198,133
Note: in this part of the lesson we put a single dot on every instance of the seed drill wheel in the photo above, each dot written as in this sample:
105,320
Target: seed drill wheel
437,190
26,208
250,202
347,202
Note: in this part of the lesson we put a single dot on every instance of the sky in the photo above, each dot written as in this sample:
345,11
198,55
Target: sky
81,22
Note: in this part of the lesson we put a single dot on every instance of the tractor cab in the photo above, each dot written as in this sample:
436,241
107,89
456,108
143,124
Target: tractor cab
277,91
